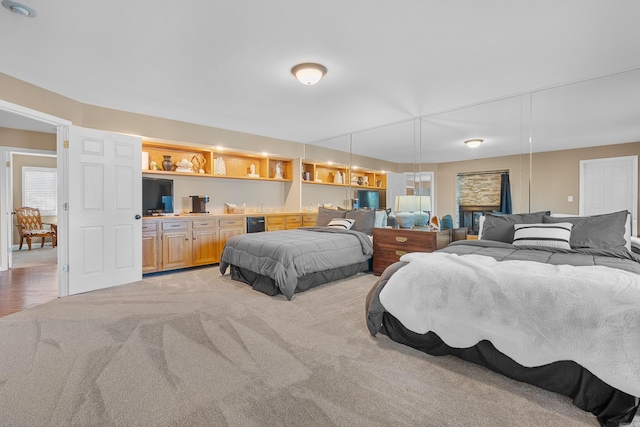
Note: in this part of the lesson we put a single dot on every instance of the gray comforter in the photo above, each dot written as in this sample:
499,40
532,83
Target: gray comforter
286,255
620,258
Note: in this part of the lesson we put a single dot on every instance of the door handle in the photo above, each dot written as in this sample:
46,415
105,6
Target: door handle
138,217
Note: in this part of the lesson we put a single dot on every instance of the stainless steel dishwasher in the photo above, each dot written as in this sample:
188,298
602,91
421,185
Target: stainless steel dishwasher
255,224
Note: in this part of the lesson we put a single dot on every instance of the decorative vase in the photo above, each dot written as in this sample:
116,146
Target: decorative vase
221,167
167,164
422,218
360,181
405,219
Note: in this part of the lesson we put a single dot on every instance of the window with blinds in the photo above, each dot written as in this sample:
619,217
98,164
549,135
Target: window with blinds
40,189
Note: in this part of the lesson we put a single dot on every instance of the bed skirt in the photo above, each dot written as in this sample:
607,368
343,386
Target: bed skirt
268,286
611,406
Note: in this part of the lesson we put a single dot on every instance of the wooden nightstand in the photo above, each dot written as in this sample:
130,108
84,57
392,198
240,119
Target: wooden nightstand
389,244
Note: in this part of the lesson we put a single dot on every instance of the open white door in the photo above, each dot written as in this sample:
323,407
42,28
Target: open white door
610,185
104,207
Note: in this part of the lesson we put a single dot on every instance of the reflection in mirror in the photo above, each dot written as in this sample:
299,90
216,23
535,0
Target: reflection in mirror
469,180
378,159
325,174
585,137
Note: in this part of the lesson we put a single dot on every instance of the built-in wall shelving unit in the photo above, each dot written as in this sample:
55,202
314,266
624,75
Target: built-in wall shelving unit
325,174
236,165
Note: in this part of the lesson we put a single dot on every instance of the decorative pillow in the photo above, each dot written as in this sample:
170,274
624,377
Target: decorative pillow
326,215
365,218
381,218
597,231
635,245
627,226
500,227
342,223
552,235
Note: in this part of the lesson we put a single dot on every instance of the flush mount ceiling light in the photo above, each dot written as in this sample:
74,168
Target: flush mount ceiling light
473,143
309,73
19,8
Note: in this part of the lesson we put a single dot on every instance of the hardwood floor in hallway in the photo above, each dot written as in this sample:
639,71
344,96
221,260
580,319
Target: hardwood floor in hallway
22,288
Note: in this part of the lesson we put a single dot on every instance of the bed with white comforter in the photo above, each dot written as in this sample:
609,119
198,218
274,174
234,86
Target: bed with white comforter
567,320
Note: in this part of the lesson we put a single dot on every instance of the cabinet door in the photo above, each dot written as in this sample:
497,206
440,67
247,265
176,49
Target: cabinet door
225,233
205,249
176,250
292,222
149,252
275,223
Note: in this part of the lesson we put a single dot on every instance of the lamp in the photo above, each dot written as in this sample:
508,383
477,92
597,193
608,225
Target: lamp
404,208
309,73
473,143
424,204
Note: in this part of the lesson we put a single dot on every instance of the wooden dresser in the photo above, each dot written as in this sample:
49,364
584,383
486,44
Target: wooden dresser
389,244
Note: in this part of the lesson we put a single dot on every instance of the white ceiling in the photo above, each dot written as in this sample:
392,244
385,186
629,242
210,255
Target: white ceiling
227,63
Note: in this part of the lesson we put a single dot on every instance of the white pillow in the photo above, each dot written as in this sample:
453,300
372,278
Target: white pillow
343,223
627,227
480,224
555,235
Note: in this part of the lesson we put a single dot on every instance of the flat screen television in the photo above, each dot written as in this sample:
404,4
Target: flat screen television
157,196
369,199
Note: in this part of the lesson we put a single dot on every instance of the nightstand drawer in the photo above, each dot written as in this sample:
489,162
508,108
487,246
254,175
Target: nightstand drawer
413,243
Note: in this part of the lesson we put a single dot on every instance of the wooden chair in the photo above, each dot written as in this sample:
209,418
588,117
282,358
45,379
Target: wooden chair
30,225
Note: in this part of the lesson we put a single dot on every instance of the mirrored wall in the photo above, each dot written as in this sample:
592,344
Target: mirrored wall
538,140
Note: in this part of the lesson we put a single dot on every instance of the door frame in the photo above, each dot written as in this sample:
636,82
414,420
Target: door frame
62,126
634,184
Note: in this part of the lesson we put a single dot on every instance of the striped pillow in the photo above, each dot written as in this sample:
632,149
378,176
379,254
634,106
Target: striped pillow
555,235
344,223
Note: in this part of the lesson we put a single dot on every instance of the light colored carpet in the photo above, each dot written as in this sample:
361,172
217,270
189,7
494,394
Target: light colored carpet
36,257
197,349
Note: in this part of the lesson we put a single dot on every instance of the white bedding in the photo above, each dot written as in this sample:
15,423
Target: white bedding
534,313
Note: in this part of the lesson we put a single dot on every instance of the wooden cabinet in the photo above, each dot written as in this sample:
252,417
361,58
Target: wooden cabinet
176,244
204,248
389,244
150,250
309,220
291,222
275,222
229,227
284,222
236,165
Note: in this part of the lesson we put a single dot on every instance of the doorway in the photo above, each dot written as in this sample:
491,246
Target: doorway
610,185
31,278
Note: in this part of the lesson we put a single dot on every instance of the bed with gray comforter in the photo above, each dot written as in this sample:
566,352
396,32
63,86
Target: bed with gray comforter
566,320
291,261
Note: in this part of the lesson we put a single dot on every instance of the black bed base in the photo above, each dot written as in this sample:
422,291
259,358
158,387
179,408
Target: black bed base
268,286
611,406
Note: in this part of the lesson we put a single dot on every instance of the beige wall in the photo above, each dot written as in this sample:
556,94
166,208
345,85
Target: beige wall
556,175
27,139
18,162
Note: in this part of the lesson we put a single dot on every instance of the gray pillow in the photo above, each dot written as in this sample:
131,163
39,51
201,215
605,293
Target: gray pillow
596,231
499,228
326,215
365,219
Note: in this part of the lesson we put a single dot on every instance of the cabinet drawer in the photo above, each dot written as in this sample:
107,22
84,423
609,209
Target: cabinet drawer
309,219
149,226
405,243
204,224
231,222
175,225
293,219
275,220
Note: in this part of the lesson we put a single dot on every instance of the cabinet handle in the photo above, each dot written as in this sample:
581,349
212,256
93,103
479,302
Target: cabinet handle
401,239
400,253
